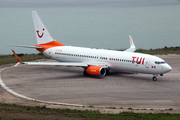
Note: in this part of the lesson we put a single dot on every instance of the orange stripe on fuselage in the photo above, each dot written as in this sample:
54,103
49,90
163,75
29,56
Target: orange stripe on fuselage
48,45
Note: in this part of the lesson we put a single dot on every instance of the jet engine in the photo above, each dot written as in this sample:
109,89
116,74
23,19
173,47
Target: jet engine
96,70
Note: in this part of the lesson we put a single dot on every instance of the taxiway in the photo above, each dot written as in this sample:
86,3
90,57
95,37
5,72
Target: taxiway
68,85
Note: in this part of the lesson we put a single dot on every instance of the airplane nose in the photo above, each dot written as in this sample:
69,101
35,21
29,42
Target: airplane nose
167,68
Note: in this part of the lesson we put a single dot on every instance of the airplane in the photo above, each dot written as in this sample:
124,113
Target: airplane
96,62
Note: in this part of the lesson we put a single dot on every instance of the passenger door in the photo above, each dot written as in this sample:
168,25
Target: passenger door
147,63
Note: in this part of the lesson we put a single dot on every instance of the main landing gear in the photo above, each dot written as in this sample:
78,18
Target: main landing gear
85,73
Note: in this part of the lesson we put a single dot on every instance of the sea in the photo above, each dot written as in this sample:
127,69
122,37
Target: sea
103,24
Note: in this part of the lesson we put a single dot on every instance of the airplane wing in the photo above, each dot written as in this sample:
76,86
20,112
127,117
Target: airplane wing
68,64
132,46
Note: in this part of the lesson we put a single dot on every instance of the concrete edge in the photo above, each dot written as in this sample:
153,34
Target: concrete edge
3,85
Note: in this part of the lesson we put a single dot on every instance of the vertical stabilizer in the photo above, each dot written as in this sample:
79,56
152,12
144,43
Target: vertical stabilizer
42,34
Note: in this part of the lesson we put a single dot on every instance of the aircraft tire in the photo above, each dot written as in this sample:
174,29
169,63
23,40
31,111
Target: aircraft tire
154,79
85,73
107,71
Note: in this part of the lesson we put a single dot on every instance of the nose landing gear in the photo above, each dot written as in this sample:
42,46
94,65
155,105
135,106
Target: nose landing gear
154,78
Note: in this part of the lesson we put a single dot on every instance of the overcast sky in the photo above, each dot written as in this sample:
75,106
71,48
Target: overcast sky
83,3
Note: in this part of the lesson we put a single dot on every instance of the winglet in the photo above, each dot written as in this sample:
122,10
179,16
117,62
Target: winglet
17,58
132,46
131,42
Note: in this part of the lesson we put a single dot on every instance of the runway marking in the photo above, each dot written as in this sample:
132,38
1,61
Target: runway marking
3,85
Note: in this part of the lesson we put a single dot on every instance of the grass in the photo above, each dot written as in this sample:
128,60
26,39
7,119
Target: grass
160,51
7,59
165,50
17,112
111,107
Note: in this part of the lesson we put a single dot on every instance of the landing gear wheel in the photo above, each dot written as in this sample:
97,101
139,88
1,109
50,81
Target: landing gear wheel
85,73
107,71
154,78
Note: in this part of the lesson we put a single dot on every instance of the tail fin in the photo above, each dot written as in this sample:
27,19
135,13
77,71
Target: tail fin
42,34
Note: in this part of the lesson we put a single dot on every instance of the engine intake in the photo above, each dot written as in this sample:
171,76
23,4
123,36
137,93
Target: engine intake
96,70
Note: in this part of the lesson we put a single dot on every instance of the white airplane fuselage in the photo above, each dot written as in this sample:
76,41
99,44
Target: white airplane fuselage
116,60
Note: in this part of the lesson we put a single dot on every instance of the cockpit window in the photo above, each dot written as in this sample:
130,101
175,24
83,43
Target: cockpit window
158,62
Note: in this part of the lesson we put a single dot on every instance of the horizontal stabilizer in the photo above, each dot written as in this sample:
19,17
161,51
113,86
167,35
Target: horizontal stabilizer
132,46
27,46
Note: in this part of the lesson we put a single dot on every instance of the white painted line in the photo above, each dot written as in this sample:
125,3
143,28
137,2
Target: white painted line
3,85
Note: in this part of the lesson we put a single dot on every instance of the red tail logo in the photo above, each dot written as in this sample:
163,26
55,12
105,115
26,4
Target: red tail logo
40,36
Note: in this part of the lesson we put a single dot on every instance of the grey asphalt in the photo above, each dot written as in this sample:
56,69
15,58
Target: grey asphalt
68,85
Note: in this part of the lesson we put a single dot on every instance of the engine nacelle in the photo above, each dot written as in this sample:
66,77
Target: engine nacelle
96,70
